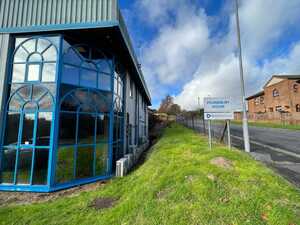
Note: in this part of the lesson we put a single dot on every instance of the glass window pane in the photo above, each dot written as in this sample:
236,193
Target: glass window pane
46,103
42,45
37,92
21,55
102,128
88,78
65,165
28,127
88,66
86,129
25,93
44,129
40,171
24,166
19,41
117,152
30,106
116,129
54,40
16,103
84,51
18,73
70,104
102,102
30,45
85,161
70,75
50,54
12,129
67,128
115,86
104,82
34,72
101,159
104,66
72,57
8,166
49,71
82,96
35,58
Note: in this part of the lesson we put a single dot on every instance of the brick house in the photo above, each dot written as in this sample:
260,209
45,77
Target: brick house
279,101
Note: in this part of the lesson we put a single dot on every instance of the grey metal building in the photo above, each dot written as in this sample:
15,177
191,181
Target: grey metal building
72,96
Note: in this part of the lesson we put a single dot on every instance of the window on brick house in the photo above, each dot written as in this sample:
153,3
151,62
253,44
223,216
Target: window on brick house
262,100
257,101
271,109
275,93
298,108
295,87
278,108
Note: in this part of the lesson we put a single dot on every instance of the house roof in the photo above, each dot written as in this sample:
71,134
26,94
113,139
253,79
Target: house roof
261,93
280,78
18,16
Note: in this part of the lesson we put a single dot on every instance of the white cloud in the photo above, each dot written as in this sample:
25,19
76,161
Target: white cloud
264,22
174,54
185,51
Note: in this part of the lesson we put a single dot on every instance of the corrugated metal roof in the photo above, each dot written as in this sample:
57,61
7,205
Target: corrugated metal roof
28,13
19,16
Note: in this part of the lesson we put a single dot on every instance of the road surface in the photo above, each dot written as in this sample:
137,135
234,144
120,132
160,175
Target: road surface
278,148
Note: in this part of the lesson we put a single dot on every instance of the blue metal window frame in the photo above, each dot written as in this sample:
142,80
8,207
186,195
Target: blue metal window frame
120,113
30,187
75,182
53,148
77,145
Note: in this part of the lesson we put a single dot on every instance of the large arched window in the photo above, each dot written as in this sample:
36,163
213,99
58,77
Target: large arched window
83,135
34,61
27,137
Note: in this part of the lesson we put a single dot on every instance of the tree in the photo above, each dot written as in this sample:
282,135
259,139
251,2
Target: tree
166,103
167,106
174,109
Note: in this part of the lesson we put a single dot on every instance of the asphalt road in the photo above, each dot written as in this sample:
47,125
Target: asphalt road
278,148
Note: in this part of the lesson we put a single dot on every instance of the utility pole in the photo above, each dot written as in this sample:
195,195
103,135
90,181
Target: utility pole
245,117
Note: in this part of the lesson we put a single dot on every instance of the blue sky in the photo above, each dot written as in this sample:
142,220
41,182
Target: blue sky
188,47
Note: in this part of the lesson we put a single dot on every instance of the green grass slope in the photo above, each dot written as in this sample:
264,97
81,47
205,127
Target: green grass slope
177,185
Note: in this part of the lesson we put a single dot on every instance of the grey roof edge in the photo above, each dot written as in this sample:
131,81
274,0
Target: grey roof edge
127,39
255,95
289,77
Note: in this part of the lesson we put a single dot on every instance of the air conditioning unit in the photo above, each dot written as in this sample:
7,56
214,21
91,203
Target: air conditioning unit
122,167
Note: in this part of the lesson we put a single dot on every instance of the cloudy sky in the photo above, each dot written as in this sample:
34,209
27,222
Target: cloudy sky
188,47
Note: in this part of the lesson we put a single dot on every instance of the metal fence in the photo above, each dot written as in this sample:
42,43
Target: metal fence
198,124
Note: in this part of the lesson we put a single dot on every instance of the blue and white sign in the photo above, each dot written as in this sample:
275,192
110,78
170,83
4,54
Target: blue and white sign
218,109
218,116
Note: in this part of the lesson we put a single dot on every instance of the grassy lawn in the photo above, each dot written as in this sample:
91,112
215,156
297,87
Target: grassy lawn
270,125
177,185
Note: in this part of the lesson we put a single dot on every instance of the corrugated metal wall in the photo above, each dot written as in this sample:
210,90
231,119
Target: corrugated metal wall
4,46
27,13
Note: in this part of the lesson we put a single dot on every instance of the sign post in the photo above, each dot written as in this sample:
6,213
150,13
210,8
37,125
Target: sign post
209,135
228,133
218,109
